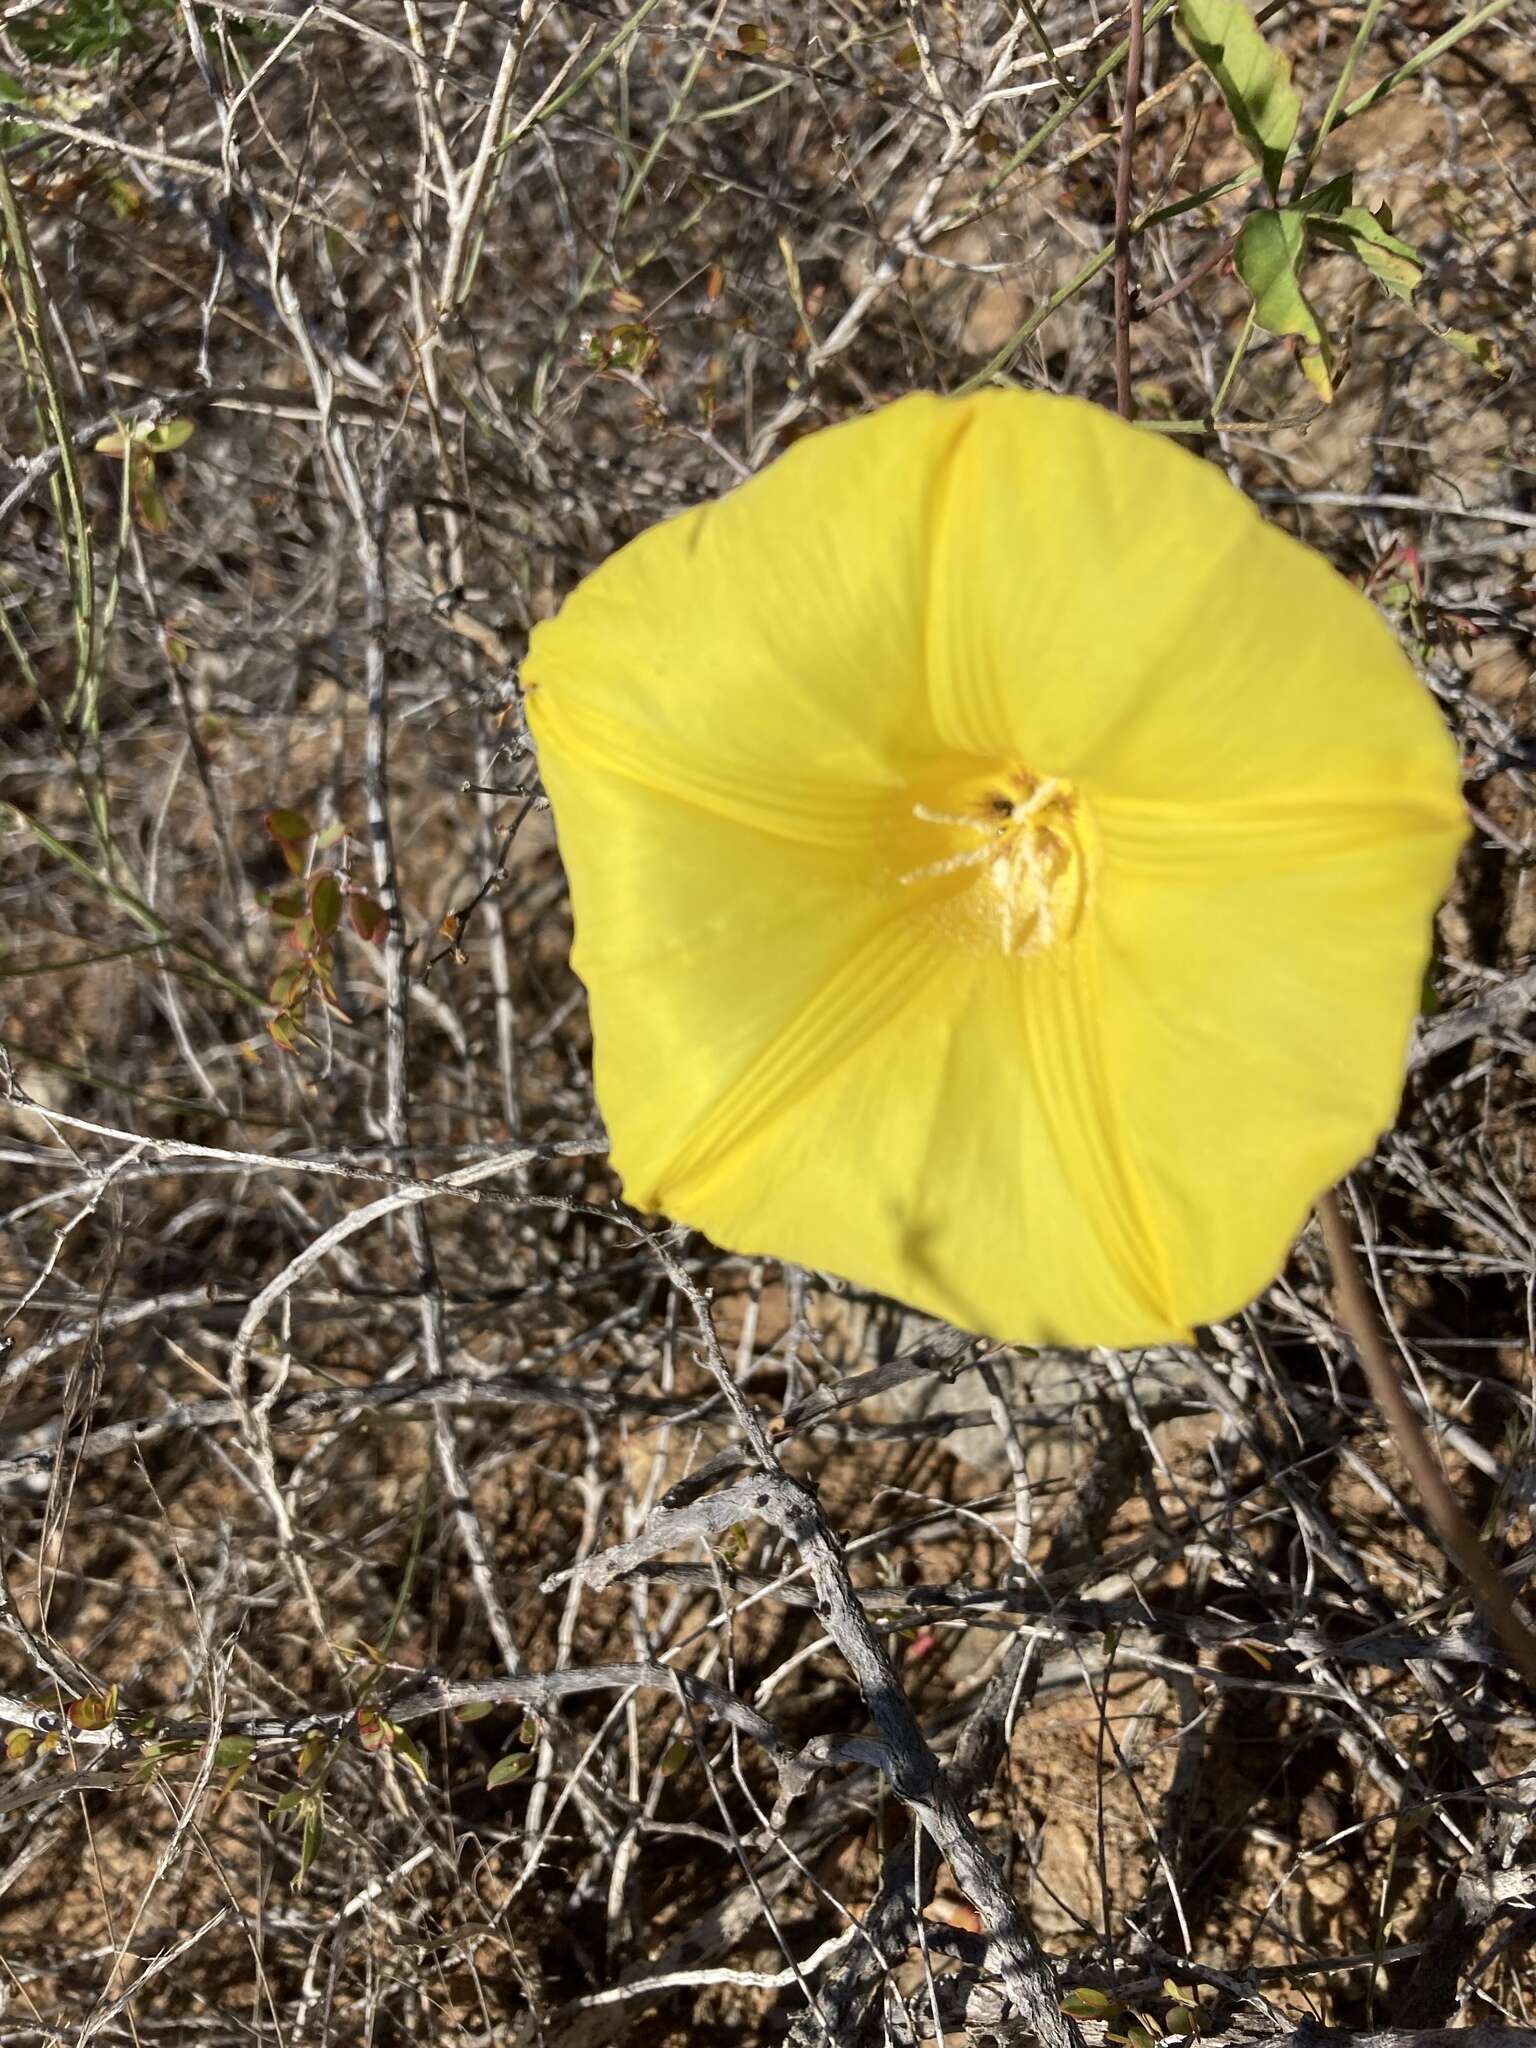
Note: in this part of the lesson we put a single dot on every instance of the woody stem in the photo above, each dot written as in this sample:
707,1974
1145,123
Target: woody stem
1457,1536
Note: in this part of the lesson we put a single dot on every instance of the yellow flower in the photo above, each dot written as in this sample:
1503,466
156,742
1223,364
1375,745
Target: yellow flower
1002,867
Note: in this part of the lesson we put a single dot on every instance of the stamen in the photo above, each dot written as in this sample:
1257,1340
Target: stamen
956,861
1031,852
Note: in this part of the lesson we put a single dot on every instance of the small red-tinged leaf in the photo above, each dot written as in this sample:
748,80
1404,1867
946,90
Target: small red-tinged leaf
676,1755
449,928
373,1731
752,39
509,1770
283,1031
169,434
924,1643
370,920
325,903
289,827
311,1750
472,1710
714,284
289,987
233,1750
407,1752
623,300
304,938
17,1743
93,1713
287,904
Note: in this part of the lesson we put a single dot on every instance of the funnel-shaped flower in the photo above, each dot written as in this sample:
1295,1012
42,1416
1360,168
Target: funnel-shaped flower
1002,867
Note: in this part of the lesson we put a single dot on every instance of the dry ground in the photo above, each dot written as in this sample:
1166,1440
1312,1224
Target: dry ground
1243,1734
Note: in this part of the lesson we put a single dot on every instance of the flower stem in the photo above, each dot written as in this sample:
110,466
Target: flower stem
1457,1536
1125,403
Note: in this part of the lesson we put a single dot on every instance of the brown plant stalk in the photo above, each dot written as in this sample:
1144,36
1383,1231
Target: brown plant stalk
1457,1536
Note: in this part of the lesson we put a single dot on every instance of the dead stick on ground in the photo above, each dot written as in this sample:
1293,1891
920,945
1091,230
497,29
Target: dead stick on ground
1125,404
1457,1536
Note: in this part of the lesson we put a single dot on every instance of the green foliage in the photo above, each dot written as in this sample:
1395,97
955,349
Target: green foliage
137,446
86,32
1272,247
311,912
1254,80
509,1770
1267,258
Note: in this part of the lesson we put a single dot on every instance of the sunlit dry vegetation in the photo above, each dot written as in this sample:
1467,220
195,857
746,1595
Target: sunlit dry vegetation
402,1637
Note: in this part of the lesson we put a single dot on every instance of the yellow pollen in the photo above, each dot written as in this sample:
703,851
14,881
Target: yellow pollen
1025,842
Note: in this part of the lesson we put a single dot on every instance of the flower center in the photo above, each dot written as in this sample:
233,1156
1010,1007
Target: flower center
1023,840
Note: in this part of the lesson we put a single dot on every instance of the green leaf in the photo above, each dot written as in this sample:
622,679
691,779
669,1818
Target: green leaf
288,904
309,1847
289,828
1255,81
1391,262
408,1753
1476,347
289,988
325,904
1268,250
1333,197
169,434
17,1743
150,508
509,1770
472,1710
234,1750
1088,2004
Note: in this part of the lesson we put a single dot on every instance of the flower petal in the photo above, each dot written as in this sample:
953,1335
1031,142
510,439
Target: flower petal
778,632
1109,609
701,941
1261,976
966,1161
